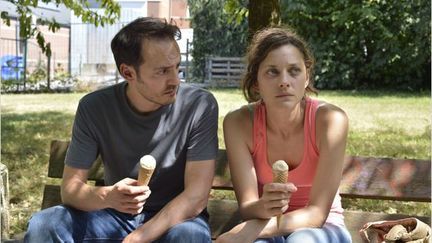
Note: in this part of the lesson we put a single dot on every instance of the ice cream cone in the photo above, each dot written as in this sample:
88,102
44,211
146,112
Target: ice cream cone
147,166
280,175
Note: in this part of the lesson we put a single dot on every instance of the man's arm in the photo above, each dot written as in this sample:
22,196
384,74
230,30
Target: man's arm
125,196
187,205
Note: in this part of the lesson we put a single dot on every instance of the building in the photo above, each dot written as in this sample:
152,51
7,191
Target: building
84,49
91,57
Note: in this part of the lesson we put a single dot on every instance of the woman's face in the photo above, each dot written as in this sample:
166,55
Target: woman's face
283,77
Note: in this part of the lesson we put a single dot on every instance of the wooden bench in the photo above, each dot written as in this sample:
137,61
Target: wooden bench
371,178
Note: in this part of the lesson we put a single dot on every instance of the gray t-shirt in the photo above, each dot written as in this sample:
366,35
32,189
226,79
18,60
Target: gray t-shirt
183,131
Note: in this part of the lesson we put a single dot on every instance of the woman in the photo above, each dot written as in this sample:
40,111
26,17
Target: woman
282,123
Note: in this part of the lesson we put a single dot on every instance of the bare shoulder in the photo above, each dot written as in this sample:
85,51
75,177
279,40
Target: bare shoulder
329,113
237,118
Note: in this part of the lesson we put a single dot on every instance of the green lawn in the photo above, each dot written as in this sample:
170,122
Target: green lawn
381,124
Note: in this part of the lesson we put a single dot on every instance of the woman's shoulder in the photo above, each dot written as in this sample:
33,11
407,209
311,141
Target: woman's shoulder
329,113
237,114
240,116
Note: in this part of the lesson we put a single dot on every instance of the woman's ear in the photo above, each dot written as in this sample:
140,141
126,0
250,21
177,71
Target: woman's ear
255,87
128,72
307,78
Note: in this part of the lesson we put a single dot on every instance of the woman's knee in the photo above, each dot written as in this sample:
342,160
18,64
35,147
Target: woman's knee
328,233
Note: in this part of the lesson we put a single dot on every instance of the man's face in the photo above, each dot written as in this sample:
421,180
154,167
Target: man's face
156,81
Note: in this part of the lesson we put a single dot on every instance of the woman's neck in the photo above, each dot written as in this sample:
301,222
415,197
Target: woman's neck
285,121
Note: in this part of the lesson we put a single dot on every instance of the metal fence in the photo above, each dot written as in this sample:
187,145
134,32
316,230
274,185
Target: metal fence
81,52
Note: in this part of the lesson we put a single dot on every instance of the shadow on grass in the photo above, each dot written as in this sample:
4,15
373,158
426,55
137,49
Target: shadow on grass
378,93
25,151
390,142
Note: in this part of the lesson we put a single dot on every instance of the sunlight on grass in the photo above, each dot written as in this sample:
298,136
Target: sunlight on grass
381,125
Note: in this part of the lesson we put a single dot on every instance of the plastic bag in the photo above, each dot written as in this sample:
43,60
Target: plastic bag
409,230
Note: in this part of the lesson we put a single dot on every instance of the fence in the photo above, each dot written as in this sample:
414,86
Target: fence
224,71
80,50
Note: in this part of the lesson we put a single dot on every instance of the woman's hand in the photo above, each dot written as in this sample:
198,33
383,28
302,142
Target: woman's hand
276,197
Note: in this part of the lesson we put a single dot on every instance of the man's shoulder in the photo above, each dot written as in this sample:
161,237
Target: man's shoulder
190,92
102,95
191,88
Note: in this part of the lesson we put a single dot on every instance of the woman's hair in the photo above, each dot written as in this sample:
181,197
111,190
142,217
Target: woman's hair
127,43
263,42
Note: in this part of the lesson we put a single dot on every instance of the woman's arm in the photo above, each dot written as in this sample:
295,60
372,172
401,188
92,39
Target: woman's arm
331,136
238,141
257,211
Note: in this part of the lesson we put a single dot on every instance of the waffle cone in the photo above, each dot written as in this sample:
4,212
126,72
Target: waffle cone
280,176
144,176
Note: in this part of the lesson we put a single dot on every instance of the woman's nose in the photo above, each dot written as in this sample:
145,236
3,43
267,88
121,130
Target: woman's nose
284,81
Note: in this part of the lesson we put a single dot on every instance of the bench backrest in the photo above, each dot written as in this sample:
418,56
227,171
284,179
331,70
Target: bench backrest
363,177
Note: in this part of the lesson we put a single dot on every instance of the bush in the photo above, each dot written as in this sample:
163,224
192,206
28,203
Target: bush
365,44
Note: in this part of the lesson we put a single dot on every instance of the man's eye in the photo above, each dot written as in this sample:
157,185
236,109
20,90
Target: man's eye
162,71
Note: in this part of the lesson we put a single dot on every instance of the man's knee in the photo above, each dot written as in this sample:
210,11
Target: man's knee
196,230
44,224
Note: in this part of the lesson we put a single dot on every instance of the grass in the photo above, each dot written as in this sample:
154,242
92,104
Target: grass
381,124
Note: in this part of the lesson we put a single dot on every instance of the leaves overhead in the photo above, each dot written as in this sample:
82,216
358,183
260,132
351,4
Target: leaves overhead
80,8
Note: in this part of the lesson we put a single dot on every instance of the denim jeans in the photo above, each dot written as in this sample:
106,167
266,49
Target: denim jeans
329,233
65,224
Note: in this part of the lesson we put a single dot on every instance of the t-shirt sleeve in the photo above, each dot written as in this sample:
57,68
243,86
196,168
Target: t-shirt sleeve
203,140
83,149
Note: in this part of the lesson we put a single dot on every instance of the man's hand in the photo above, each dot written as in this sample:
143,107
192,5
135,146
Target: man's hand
276,197
127,197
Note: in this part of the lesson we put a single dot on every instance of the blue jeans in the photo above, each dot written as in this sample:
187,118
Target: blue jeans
329,233
65,224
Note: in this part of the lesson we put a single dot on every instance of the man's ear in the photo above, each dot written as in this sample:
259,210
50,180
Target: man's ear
128,72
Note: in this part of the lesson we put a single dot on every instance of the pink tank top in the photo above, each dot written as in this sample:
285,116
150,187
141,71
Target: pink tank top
302,176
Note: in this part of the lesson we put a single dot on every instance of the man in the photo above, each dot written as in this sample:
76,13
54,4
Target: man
150,113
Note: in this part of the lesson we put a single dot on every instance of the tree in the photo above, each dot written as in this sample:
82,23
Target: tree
80,9
215,33
263,14
365,44
260,14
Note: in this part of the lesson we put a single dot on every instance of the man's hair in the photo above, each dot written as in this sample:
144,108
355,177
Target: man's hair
263,42
127,43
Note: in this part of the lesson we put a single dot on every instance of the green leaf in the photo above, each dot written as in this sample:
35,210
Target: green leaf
5,17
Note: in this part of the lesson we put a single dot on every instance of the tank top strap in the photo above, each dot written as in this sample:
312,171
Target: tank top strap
310,124
259,126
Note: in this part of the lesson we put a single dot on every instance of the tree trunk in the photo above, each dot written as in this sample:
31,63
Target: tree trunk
263,13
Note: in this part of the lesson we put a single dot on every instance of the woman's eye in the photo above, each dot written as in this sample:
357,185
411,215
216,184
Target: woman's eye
294,71
272,72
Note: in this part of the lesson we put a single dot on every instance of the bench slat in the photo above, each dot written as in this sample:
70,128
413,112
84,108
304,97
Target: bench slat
386,179
51,196
56,162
